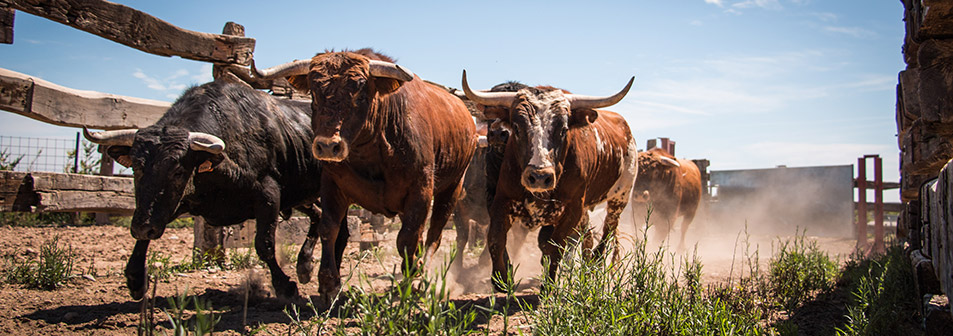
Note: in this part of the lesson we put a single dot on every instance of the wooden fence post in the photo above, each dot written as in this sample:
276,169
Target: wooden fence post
105,169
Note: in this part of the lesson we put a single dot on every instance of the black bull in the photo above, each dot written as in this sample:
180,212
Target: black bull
228,153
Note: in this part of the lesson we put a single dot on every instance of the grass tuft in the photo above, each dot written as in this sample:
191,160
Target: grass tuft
50,270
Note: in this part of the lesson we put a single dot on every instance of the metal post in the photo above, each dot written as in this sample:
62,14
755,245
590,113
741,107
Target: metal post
861,203
878,205
76,156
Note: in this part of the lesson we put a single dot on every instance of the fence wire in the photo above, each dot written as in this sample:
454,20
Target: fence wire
38,154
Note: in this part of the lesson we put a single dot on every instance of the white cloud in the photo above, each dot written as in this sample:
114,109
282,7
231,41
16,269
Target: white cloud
719,3
696,23
765,4
825,16
172,85
851,31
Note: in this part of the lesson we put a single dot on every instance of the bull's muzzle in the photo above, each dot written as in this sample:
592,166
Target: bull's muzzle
329,148
146,232
539,179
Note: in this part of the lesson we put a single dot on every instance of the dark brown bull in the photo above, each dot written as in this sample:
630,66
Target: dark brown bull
563,158
672,186
391,143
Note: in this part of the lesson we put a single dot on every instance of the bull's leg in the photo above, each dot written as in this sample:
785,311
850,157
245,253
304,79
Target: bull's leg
461,222
614,208
551,248
334,211
305,265
500,221
662,218
687,217
412,226
444,202
136,270
266,218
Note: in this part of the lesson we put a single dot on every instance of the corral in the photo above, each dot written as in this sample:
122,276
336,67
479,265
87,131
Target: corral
746,214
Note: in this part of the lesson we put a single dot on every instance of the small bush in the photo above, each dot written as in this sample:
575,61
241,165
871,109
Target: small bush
200,321
799,270
30,219
643,293
162,267
51,269
883,297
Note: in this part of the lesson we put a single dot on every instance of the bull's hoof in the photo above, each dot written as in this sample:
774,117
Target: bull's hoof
289,291
136,281
305,269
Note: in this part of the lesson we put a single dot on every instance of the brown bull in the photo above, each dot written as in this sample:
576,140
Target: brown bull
391,143
563,158
673,188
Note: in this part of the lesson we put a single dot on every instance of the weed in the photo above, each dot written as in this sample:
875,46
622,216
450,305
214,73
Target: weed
40,219
799,270
239,259
202,320
636,295
8,163
88,162
162,267
882,296
51,269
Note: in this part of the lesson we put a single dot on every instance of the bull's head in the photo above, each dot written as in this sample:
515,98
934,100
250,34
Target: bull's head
657,171
342,87
163,161
540,120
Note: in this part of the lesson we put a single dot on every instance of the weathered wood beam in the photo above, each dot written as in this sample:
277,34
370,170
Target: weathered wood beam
6,24
40,191
58,105
139,30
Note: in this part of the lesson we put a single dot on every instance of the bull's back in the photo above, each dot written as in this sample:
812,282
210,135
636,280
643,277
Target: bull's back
690,184
604,151
452,131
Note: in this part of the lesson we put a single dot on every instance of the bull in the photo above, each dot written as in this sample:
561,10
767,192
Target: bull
563,158
228,153
672,186
390,142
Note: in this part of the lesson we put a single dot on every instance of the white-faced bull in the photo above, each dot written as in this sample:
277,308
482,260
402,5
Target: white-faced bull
563,158
228,153
390,143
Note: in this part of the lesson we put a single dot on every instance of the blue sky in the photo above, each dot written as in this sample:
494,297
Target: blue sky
744,83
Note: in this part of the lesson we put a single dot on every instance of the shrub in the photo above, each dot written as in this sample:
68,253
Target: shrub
799,270
883,297
51,269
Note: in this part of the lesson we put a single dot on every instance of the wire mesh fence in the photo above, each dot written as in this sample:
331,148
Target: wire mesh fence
28,154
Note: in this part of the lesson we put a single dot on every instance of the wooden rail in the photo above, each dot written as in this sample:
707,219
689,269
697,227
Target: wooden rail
61,192
50,103
136,29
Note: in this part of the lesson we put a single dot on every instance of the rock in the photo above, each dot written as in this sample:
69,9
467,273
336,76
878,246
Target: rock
213,270
70,316
29,251
182,275
89,277
173,237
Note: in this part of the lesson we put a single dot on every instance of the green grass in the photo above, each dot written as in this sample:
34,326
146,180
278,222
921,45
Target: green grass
644,293
41,219
201,320
51,269
799,270
883,297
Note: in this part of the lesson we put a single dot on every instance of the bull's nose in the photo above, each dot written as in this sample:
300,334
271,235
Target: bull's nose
147,232
539,179
329,148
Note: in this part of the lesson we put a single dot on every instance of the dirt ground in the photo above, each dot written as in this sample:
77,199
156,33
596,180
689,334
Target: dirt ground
97,302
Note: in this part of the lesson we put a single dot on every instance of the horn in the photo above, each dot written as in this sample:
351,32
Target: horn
592,102
299,67
671,162
389,70
111,138
206,142
504,99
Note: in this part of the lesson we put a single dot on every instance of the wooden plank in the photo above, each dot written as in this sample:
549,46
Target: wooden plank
139,30
932,18
941,228
44,181
41,191
10,182
6,24
81,200
50,103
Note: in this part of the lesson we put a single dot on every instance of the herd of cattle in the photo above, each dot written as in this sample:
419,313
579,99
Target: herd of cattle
376,135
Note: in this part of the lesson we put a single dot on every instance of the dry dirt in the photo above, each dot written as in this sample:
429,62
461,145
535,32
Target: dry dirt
99,304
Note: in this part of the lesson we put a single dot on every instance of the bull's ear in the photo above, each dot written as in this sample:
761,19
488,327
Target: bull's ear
384,85
120,154
582,117
211,162
300,83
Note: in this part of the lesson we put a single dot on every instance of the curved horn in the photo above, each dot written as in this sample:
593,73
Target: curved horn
390,70
206,142
592,102
111,138
504,99
299,67
670,162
